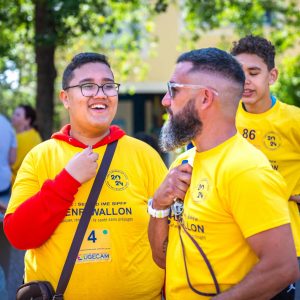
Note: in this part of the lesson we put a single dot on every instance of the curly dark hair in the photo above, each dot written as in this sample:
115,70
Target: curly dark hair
256,45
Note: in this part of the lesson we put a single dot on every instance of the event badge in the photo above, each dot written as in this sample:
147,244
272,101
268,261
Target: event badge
96,246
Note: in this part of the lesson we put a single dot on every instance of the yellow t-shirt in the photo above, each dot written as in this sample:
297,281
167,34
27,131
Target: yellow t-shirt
234,194
276,133
26,140
115,260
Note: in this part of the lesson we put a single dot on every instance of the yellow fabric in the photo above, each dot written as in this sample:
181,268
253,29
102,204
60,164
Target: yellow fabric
277,134
125,268
234,194
26,140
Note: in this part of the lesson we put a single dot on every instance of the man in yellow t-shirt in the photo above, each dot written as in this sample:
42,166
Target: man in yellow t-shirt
225,244
269,124
53,184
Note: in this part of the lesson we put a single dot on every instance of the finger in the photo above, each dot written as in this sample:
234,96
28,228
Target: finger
94,165
181,186
179,195
88,150
186,168
185,178
171,190
93,156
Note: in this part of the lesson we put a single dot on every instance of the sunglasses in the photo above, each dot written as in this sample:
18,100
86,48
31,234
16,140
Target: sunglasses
172,86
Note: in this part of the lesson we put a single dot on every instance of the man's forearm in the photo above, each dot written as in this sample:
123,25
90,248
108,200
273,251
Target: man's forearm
262,283
158,237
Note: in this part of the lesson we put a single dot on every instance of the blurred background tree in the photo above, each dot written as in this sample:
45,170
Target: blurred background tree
276,20
39,27
31,32
287,87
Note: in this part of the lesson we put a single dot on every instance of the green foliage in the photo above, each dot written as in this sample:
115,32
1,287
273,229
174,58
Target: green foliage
17,67
279,19
287,89
124,30
121,28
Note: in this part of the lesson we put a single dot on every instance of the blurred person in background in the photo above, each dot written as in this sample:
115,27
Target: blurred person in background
23,120
8,146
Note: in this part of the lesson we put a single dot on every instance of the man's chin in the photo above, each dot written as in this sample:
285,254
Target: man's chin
171,146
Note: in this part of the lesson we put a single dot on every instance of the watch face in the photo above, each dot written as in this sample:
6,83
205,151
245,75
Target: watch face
177,208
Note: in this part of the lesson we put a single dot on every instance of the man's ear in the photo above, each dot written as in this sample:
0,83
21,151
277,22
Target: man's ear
207,97
273,75
64,98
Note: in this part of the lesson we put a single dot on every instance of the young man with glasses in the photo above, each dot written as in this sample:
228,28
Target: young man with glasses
270,125
53,184
233,239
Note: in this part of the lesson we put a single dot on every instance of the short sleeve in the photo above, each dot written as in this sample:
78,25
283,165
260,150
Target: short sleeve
257,199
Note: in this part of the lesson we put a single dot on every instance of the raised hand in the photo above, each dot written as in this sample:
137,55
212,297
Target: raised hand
174,186
83,166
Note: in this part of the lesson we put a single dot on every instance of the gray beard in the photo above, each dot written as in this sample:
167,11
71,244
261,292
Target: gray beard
180,129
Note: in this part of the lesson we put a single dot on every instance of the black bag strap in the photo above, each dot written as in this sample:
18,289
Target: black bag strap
212,273
84,221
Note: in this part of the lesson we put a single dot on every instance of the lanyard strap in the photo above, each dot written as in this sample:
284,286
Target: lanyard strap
84,220
205,259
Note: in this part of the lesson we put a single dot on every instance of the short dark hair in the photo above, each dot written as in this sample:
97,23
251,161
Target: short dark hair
256,45
79,60
214,60
29,114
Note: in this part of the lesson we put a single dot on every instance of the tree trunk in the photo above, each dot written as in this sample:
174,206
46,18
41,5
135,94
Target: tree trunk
45,45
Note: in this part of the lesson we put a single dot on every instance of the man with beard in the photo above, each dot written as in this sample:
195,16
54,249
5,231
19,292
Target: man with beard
233,239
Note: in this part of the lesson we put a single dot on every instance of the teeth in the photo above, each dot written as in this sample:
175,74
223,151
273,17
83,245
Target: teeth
99,106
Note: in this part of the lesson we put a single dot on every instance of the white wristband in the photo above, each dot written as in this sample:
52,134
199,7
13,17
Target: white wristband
155,213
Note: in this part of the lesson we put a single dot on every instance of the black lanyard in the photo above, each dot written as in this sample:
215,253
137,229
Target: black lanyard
180,222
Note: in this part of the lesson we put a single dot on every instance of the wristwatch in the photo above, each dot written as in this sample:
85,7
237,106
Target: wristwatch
156,213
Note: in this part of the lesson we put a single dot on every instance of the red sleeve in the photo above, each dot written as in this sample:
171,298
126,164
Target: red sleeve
35,220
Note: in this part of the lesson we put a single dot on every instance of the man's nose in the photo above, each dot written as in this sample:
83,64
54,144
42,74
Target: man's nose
166,100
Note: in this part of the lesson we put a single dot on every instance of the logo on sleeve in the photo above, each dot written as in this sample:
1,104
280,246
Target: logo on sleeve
117,180
272,140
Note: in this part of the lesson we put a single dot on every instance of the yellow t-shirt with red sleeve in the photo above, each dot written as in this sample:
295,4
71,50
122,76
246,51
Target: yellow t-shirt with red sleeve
234,194
115,260
26,140
276,133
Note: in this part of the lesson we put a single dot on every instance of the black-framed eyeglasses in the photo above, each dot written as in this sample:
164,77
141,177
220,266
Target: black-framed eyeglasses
109,89
173,85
